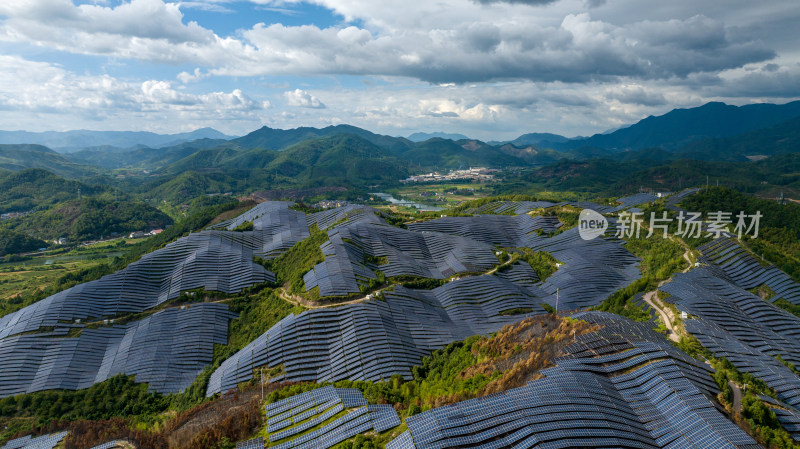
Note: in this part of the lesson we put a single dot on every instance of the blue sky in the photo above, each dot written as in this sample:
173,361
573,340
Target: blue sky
485,68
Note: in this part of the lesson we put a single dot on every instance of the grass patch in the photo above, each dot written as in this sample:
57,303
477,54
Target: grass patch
290,266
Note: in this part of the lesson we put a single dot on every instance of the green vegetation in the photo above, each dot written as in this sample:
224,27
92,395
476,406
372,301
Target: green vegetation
39,189
290,266
91,218
246,226
118,396
779,232
417,282
258,312
542,262
621,301
763,291
475,367
22,156
660,257
14,243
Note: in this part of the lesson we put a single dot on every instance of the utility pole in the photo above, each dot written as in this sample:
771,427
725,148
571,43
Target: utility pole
557,290
79,193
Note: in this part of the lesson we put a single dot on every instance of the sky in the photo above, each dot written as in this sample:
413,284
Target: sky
488,69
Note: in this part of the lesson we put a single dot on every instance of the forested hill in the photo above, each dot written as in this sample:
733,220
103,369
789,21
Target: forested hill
37,189
22,156
91,218
682,126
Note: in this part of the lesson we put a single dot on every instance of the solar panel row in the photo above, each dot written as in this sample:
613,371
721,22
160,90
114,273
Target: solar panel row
623,386
429,255
309,410
255,443
591,270
374,340
499,230
741,327
42,442
167,350
745,271
214,260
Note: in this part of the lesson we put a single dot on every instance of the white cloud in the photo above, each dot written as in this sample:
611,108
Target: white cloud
568,66
303,99
30,89
484,45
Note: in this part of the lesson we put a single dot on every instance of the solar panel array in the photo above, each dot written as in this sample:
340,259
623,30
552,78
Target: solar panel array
429,255
290,421
214,260
634,200
673,200
167,350
743,269
602,265
499,230
623,386
343,216
516,207
209,260
591,271
374,340
115,445
42,442
255,443
741,327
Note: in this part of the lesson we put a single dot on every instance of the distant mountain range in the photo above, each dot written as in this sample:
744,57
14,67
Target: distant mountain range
22,156
421,137
680,127
323,156
68,141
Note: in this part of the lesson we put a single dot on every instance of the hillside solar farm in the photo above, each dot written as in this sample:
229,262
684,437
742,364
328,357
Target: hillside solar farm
377,297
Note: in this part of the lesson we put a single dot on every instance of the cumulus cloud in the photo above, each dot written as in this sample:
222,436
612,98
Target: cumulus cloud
635,94
43,88
459,49
303,99
494,66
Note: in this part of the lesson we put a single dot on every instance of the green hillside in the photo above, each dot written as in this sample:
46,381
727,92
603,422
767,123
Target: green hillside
278,139
178,189
143,158
335,159
36,189
14,243
779,139
90,218
606,177
17,157
682,126
445,154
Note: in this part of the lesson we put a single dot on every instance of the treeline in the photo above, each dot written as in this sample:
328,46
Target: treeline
194,222
91,218
39,189
778,238
14,243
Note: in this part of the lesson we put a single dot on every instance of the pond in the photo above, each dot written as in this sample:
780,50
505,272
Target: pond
389,198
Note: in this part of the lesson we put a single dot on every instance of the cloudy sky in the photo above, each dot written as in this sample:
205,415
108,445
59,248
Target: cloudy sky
486,68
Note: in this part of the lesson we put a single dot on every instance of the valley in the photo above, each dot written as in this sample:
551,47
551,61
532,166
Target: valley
301,292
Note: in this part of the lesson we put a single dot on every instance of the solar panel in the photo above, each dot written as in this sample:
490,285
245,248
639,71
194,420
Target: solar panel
624,386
